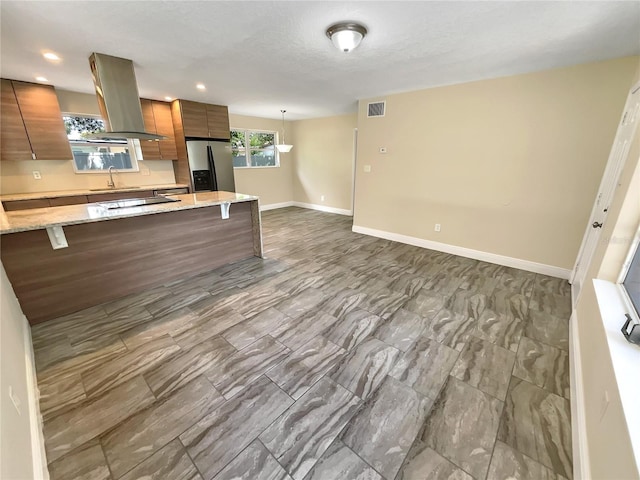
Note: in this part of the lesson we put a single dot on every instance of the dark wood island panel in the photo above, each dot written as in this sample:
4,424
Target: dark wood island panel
110,259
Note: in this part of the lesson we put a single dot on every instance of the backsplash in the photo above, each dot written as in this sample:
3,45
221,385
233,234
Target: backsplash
17,177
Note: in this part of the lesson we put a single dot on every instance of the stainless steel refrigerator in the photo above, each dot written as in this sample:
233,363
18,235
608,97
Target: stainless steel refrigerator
211,165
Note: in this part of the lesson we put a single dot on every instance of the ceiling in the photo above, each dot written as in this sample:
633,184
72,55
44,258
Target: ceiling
260,57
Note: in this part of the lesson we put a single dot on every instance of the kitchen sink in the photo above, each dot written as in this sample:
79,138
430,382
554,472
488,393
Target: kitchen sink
109,189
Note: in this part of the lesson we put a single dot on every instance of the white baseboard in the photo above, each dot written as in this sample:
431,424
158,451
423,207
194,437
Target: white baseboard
273,206
310,206
468,252
581,469
323,208
38,453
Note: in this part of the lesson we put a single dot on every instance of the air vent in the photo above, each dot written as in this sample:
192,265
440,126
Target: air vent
376,109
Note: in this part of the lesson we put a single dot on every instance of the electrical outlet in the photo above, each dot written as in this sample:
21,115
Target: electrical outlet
36,175
367,169
15,400
437,227
322,198
144,171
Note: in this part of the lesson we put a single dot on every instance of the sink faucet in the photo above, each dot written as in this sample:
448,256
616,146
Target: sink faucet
110,183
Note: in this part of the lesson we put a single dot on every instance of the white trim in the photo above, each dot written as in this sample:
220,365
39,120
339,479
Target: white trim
273,206
468,252
581,468
323,208
625,357
38,452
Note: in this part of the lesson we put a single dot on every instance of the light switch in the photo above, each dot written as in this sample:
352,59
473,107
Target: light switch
367,169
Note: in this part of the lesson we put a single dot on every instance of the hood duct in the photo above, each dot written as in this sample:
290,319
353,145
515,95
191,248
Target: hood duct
118,99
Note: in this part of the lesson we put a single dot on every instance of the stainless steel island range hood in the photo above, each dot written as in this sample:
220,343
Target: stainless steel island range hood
118,98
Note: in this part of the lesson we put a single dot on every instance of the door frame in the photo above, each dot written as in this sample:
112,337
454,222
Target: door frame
608,185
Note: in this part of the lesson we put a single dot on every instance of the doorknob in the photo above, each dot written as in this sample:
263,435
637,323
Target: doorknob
596,225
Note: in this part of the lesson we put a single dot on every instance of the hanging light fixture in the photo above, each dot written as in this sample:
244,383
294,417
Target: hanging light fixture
283,147
346,35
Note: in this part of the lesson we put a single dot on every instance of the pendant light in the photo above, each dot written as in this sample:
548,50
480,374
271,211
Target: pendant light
346,35
283,147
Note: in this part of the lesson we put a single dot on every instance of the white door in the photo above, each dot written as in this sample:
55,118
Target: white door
608,185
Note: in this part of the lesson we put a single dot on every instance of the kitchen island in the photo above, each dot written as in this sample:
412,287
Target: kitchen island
63,259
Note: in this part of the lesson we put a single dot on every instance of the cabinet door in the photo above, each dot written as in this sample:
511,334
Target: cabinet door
103,197
194,119
14,205
164,126
14,143
218,121
71,200
43,121
150,149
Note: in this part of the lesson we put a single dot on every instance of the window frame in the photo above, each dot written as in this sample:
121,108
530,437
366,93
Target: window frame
634,250
247,132
132,146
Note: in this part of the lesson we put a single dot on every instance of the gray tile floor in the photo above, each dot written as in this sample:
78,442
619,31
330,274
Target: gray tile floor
340,356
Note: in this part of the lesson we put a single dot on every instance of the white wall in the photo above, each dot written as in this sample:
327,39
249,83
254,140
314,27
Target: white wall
17,438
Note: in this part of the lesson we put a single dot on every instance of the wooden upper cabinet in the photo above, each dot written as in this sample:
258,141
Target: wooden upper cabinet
164,126
218,121
14,144
203,120
157,119
194,119
150,150
43,121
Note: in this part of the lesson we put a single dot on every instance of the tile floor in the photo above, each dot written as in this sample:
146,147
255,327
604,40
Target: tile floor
340,356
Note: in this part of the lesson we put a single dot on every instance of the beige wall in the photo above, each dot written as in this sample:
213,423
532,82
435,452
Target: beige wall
323,151
272,185
17,177
16,460
609,449
508,166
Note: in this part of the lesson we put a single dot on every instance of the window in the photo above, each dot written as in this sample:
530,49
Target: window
631,278
95,156
261,148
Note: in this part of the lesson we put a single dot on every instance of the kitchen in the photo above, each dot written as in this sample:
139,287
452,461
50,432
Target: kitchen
170,341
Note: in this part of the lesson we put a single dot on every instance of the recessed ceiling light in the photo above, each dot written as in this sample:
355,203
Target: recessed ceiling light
168,99
41,79
51,56
200,86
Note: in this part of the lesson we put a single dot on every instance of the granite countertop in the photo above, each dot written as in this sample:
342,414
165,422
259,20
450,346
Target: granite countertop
70,193
40,218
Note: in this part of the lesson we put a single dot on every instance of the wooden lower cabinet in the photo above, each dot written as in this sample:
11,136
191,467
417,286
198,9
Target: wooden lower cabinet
103,197
73,200
14,205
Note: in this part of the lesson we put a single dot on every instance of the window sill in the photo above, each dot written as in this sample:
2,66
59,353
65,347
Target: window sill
625,357
255,168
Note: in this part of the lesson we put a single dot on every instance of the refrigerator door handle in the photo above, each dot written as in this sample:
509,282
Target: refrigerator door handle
212,168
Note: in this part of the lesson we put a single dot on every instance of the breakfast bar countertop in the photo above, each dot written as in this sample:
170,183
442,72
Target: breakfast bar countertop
40,218
10,197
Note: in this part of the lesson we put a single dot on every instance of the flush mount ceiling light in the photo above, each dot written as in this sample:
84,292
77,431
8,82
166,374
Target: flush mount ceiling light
283,147
200,86
346,35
